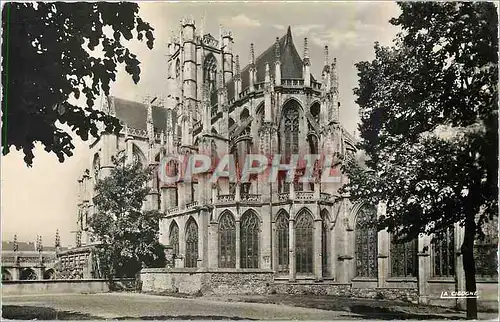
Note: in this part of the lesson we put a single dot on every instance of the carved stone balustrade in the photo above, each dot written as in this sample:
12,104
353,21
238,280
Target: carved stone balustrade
304,195
250,197
191,205
284,196
172,210
225,198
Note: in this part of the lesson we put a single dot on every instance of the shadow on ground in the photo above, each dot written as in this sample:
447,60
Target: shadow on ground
364,308
183,317
385,313
15,312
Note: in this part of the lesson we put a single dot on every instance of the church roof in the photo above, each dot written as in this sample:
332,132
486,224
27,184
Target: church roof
291,63
135,114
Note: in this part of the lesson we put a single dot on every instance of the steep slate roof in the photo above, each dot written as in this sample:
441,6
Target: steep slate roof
135,114
291,63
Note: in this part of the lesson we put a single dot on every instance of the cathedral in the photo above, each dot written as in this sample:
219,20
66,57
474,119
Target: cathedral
259,236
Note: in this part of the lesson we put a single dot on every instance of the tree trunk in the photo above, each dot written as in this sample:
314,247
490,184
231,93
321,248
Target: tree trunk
470,267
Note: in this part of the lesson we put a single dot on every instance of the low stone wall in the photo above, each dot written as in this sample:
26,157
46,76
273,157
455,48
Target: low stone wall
400,294
312,288
64,286
206,282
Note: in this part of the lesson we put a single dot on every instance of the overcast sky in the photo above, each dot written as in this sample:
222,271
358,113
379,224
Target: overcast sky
41,199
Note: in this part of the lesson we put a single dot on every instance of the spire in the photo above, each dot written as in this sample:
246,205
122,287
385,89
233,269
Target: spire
57,242
252,55
16,245
334,77
39,246
277,49
150,127
237,67
277,64
326,57
267,76
306,49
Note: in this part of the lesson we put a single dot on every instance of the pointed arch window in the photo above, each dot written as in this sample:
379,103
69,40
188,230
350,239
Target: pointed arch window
173,238
290,128
304,243
404,261
366,243
191,244
227,241
282,236
210,77
249,240
137,156
288,138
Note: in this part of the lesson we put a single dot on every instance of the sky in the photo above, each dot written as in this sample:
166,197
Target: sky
39,200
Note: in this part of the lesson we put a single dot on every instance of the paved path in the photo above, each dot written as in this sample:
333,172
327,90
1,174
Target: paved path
137,306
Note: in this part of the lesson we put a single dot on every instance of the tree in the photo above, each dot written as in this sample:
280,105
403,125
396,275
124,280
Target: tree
127,236
47,61
428,108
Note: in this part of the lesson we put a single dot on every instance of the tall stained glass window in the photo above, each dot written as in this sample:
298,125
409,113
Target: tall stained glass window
289,138
249,237
173,237
227,241
191,244
290,128
282,236
304,243
443,253
404,261
366,243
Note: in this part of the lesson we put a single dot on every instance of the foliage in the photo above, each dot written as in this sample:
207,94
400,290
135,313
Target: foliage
127,235
57,51
428,108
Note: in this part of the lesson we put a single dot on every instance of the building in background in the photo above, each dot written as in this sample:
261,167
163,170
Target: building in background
251,237
28,260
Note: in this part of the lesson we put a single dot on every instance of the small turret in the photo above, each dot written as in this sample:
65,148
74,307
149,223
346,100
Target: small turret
307,65
277,63
16,244
252,73
57,241
267,94
237,77
326,68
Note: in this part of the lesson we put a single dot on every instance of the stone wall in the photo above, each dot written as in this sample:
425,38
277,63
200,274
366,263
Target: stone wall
63,286
217,281
312,288
338,289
